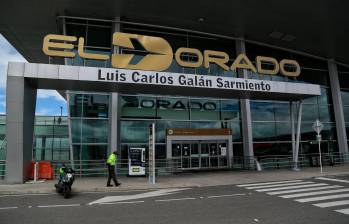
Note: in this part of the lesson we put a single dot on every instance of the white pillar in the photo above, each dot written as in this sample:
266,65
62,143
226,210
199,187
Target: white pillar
246,121
298,137
20,115
114,107
338,107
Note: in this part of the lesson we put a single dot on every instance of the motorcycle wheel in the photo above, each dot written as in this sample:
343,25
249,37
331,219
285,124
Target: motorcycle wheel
67,192
59,188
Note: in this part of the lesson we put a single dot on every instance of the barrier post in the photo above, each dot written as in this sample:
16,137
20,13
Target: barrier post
36,171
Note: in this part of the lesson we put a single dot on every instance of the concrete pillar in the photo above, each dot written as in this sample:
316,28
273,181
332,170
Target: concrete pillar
20,115
114,108
246,121
114,123
338,107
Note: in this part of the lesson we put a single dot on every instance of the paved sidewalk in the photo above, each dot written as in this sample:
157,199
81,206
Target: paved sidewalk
199,179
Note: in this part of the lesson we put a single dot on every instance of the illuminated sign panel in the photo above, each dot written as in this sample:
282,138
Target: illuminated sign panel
160,55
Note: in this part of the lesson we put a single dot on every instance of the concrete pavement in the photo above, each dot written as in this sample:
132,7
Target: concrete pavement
199,179
215,204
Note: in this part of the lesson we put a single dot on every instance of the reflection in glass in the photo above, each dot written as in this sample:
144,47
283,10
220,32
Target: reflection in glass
138,107
263,131
162,126
282,111
205,109
230,110
172,108
272,148
310,112
262,111
345,96
134,131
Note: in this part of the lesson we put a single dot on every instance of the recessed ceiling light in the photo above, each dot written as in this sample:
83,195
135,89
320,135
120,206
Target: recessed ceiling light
201,19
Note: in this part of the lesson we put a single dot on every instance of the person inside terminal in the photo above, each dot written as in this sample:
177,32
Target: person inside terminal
219,99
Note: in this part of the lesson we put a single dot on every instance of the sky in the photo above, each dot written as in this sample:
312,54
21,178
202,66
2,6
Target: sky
48,102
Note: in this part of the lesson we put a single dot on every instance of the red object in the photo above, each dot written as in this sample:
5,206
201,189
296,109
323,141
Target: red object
45,170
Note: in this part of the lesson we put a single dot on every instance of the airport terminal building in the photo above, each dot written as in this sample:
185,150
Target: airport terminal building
220,97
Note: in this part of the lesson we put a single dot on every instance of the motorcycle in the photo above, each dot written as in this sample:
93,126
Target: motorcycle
64,185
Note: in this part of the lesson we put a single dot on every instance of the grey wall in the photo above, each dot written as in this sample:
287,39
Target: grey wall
20,111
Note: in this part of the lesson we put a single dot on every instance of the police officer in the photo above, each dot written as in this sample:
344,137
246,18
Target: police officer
62,172
111,162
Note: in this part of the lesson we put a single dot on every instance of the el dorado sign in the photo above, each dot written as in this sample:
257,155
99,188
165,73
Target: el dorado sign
161,55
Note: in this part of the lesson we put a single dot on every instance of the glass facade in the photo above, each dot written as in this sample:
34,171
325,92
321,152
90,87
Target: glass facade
51,138
139,111
89,120
343,73
89,117
271,120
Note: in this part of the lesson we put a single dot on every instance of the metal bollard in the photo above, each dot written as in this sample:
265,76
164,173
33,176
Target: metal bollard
36,171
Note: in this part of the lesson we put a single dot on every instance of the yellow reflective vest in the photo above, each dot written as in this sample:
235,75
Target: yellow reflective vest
112,159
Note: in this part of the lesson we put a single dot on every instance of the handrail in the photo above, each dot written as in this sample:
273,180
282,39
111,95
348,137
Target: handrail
89,168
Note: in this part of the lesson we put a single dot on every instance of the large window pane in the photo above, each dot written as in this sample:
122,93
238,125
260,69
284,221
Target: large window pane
263,131
236,130
75,104
88,105
89,152
262,111
60,129
230,110
162,126
135,131
94,131
282,111
205,109
95,105
345,96
75,125
325,97
346,113
172,108
329,132
272,148
307,132
206,125
43,130
283,131
138,107
326,113
310,112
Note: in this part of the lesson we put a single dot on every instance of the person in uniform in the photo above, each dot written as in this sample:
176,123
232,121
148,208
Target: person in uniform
111,162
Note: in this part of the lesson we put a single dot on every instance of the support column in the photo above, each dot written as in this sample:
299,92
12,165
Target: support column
338,107
114,123
292,130
20,115
246,121
114,109
298,137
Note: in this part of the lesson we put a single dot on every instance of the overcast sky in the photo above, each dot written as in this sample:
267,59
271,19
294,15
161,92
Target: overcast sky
48,101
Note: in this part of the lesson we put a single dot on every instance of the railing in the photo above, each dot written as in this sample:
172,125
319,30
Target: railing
2,169
286,161
95,168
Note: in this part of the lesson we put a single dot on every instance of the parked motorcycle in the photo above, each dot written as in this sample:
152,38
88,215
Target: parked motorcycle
64,185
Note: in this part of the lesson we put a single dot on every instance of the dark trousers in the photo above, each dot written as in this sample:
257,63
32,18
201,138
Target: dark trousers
111,175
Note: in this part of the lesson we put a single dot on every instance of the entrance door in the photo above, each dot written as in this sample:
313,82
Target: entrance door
200,154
